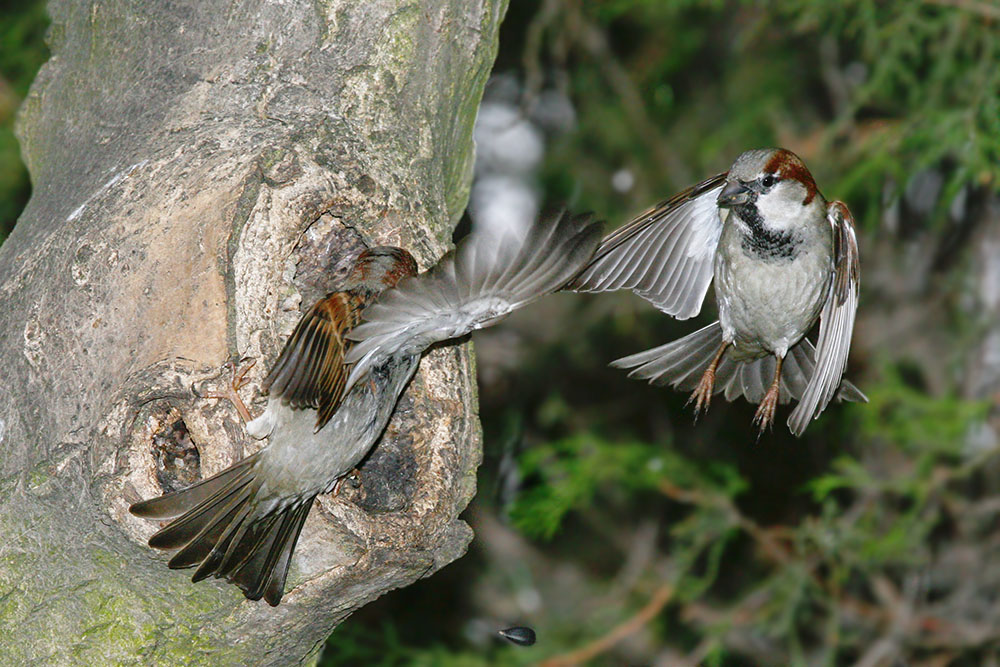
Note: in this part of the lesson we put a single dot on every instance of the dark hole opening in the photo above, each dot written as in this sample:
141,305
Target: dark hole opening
178,462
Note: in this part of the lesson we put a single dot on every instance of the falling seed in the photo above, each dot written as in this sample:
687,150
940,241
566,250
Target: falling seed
519,635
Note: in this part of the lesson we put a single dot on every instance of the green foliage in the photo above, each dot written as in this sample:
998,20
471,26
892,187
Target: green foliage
24,47
22,52
929,94
924,432
570,472
873,515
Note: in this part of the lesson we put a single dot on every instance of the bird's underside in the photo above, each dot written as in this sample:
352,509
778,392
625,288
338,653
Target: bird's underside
780,258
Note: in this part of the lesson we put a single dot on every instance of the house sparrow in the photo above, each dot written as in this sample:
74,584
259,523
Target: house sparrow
323,415
781,256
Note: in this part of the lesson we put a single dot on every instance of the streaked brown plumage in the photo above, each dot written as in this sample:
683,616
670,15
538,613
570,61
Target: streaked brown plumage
242,524
221,523
310,372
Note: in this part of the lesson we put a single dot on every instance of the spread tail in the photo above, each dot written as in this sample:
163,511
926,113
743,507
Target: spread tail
681,363
222,526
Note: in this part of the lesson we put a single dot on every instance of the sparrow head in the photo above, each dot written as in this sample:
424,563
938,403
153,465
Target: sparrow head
380,268
775,182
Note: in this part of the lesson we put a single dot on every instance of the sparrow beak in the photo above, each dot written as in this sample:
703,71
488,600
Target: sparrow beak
734,194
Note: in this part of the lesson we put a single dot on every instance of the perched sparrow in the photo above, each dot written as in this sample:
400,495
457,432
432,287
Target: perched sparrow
243,523
781,256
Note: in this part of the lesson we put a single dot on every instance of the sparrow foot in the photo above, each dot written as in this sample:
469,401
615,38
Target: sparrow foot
764,417
232,392
702,394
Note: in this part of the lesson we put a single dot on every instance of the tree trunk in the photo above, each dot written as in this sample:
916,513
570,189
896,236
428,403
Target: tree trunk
203,170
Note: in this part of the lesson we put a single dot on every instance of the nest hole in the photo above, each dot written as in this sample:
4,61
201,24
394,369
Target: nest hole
177,459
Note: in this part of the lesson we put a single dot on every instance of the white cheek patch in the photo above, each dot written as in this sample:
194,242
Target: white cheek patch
782,207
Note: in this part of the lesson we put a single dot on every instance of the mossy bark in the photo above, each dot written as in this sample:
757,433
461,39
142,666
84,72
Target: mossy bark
201,169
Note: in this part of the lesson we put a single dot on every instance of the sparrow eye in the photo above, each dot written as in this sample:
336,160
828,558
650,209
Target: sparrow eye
768,180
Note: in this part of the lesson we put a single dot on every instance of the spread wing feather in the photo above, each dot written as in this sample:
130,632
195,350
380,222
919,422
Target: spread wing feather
664,255
484,279
836,322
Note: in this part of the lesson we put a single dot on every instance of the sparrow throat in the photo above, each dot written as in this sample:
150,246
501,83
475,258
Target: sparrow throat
761,241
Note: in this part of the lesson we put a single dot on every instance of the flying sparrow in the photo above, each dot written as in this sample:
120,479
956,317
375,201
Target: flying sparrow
781,257
330,398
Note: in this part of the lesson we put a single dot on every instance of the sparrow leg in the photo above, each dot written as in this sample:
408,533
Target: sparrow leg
702,394
765,411
232,393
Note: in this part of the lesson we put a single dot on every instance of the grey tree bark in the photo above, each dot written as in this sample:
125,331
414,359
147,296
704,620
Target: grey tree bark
202,170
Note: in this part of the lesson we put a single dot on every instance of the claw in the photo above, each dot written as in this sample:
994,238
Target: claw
702,394
764,417
239,379
232,392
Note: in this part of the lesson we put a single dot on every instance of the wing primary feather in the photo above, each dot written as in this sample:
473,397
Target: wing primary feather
482,280
278,379
289,389
836,322
664,255
303,385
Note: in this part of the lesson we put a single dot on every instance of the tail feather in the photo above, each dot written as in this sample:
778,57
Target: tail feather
747,378
682,362
211,549
196,549
201,518
243,545
679,363
172,505
798,370
751,379
276,582
223,526
263,570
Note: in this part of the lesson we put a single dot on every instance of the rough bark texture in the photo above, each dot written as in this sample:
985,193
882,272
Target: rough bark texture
202,170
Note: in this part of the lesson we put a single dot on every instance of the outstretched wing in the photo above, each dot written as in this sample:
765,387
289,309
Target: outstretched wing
664,255
310,371
836,322
472,287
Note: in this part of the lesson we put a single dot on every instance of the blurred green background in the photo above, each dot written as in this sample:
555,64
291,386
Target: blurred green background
610,522
22,52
